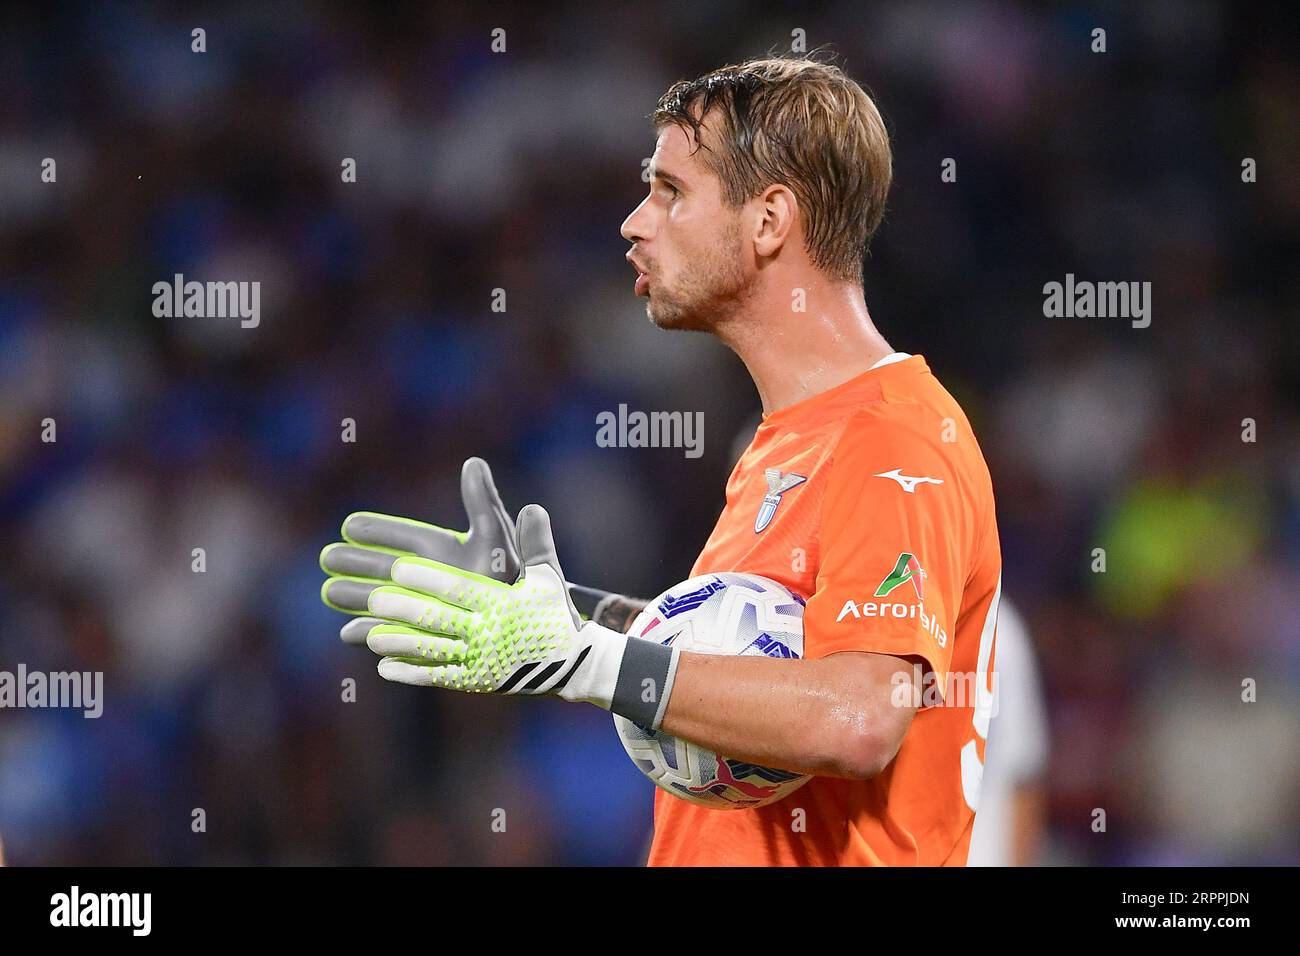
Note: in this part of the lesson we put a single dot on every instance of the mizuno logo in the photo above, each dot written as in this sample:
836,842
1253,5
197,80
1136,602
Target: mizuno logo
908,482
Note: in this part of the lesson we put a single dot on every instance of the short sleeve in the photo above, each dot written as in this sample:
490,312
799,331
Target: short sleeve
892,567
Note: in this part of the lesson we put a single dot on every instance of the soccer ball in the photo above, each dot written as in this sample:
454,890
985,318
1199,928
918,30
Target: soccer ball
716,614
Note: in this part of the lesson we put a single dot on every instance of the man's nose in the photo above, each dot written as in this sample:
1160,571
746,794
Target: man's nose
636,227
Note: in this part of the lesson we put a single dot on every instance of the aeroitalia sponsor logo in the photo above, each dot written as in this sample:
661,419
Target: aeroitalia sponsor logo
929,622
906,570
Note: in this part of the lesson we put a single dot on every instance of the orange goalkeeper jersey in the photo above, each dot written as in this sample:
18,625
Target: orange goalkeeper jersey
872,501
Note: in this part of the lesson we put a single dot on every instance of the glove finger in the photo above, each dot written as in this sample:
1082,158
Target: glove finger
537,546
479,492
355,561
393,640
491,541
355,631
423,611
422,675
451,585
536,542
404,535
349,595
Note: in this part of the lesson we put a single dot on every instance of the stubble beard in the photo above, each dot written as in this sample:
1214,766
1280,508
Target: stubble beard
712,292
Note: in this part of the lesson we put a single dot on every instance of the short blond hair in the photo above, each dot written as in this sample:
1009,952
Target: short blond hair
806,125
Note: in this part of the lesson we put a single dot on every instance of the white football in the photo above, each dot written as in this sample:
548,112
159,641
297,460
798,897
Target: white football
725,613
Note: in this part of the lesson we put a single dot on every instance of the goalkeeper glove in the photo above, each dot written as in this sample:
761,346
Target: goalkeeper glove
372,542
629,677
454,628
363,560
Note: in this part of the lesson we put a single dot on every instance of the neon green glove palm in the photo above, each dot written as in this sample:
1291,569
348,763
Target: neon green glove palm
454,628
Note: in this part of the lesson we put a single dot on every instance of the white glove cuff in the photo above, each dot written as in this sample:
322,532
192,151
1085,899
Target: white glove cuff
626,675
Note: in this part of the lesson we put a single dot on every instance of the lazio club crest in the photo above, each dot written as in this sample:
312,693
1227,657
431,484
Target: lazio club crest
777,485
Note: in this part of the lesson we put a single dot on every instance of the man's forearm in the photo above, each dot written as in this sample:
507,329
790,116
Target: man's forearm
831,717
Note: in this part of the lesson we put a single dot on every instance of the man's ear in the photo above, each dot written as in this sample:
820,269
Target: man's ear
778,221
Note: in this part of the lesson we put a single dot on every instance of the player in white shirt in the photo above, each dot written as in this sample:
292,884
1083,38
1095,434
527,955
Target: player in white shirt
1009,822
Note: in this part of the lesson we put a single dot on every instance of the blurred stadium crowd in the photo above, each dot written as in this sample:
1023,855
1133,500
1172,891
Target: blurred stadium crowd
478,171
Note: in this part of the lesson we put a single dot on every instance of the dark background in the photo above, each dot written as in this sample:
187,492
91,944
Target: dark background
479,171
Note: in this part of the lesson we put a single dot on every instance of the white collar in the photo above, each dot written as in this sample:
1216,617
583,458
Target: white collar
890,359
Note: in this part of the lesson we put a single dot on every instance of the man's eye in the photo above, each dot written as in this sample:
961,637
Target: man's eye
673,189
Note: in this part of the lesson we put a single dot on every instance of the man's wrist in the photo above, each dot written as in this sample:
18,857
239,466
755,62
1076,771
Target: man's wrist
628,676
611,610
617,612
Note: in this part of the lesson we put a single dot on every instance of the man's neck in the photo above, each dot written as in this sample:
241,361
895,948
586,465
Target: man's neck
793,355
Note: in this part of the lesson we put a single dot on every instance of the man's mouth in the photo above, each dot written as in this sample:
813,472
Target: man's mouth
642,277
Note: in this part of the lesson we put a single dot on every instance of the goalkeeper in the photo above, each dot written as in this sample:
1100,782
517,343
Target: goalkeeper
863,490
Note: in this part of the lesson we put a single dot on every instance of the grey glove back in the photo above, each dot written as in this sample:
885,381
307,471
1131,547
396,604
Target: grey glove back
371,543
